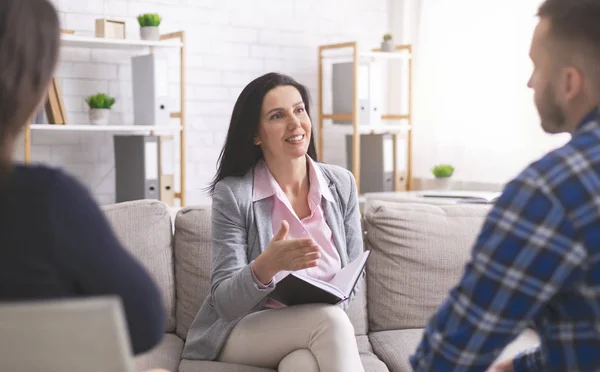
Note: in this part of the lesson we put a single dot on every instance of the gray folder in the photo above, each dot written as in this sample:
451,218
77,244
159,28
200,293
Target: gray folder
136,167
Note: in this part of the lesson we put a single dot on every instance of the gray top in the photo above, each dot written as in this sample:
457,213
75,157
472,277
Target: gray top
241,230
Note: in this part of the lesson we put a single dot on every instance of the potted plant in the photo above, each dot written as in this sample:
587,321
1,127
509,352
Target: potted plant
443,174
149,23
387,45
99,105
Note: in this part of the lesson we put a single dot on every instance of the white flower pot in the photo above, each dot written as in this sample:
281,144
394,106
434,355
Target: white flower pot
99,116
387,46
442,183
150,33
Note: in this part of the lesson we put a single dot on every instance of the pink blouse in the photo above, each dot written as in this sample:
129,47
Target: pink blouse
313,226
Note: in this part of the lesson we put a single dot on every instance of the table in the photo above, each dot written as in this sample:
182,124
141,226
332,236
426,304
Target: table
435,197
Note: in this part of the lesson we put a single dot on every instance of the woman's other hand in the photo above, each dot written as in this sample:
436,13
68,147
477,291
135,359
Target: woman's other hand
288,255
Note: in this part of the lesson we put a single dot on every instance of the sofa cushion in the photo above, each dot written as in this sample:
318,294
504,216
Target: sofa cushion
192,247
418,254
144,228
192,250
395,347
166,355
204,366
357,311
370,361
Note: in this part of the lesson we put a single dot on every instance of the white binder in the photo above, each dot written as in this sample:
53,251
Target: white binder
150,89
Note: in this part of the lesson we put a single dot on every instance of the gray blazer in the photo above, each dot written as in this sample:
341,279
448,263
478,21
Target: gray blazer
241,230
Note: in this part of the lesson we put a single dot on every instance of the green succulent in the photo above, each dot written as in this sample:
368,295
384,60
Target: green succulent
443,171
149,20
100,101
387,37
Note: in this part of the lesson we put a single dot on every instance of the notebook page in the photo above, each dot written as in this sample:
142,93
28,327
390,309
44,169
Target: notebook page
348,276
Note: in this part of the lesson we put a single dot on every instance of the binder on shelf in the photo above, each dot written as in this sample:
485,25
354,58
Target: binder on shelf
54,105
136,167
369,92
61,102
167,195
376,162
150,89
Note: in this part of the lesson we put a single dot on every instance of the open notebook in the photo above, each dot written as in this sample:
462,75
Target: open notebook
297,289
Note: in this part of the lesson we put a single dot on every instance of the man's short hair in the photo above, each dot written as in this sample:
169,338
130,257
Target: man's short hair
575,26
574,20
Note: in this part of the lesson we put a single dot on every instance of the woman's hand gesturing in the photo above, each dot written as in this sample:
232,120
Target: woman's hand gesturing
285,255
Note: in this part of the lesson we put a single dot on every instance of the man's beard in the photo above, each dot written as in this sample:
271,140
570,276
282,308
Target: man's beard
552,116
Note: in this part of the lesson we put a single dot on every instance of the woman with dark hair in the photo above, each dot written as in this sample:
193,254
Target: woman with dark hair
268,180
55,241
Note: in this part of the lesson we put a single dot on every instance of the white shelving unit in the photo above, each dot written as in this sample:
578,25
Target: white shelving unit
74,41
351,52
344,56
175,40
134,129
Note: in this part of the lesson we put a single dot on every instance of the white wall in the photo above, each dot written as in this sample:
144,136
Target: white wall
229,43
472,107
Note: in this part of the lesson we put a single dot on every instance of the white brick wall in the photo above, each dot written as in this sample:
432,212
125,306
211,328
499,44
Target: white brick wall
229,43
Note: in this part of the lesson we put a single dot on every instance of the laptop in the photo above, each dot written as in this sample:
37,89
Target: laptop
65,335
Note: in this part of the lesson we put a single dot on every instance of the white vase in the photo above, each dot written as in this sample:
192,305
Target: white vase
442,183
99,116
387,46
150,33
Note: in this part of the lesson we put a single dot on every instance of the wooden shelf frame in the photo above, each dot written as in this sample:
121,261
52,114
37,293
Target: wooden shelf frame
163,133
181,115
354,115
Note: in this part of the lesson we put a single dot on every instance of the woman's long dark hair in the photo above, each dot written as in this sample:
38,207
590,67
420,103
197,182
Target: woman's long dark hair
239,153
29,48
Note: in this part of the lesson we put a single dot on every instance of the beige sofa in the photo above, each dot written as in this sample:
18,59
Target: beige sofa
418,252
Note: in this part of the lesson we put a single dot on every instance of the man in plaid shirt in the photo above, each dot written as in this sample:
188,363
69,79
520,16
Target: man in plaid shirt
536,262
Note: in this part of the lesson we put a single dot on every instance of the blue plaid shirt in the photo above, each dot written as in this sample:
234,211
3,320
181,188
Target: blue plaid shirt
535,264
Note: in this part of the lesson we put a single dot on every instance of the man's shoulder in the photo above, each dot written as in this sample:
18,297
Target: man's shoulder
563,172
577,157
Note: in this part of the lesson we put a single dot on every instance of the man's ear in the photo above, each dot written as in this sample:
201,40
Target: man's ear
573,83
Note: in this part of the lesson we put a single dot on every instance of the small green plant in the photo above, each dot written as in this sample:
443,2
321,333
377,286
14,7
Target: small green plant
100,101
443,171
387,37
149,20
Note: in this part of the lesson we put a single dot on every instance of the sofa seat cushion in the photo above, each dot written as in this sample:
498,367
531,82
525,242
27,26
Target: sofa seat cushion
418,252
166,355
204,366
395,347
370,361
144,227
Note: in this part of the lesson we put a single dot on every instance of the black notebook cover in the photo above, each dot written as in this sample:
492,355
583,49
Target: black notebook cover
294,291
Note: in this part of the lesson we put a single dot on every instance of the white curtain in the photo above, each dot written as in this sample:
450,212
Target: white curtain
472,107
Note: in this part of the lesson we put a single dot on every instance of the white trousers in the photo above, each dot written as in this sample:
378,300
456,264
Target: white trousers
305,338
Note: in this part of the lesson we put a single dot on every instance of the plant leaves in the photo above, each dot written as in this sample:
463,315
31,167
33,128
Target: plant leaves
149,20
443,170
100,101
